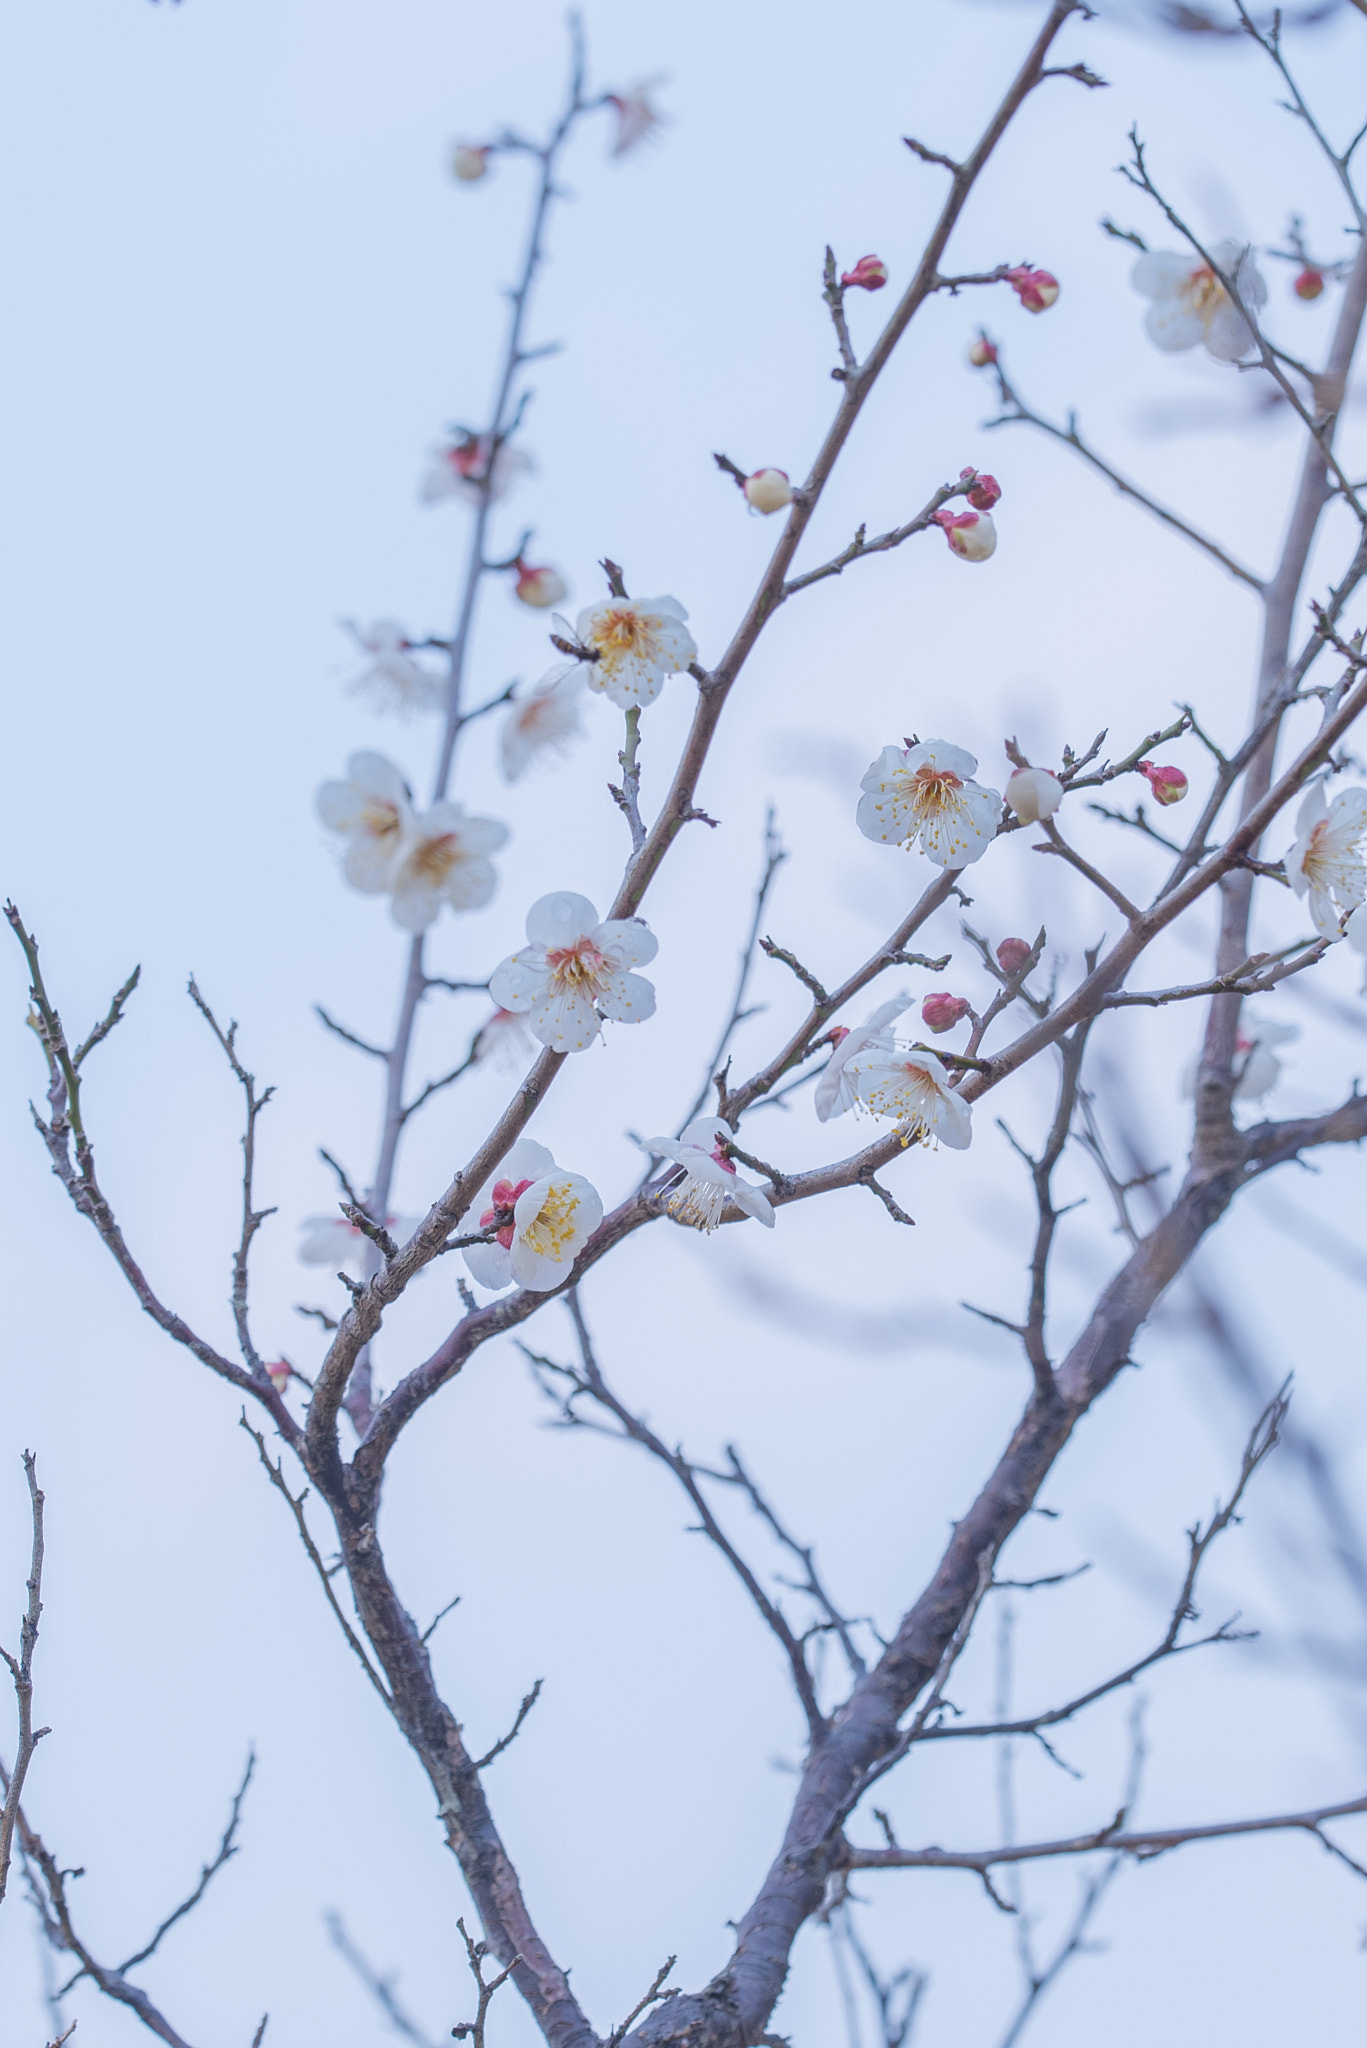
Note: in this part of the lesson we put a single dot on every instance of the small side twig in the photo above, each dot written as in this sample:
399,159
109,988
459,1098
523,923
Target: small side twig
21,1671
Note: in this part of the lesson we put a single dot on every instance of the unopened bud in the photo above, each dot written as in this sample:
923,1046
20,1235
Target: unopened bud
280,1375
1033,793
942,1012
1036,289
1309,284
971,534
982,352
540,588
983,492
870,273
1012,955
470,161
836,1036
768,490
1169,785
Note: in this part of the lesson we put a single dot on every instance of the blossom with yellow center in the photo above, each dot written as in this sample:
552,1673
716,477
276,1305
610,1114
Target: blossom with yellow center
636,643
710,1183
371,809
926,793
445,860
1325,865
1190,306
914,1089
575,971
834,1093
539,1215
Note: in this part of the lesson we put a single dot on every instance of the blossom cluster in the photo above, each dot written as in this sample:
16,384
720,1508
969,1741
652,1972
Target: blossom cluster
423,861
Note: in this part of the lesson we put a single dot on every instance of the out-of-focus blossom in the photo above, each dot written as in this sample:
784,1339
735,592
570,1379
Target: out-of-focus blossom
542,720
504,1041
371,810
940,1013
1256,1067
575,971
870,274
393,680
983,493
1012,955
444,860
834,1094
1190,305
541,1215
1355,931
280,1373
638,642
926,793
1169,785
470,161
710,1180
636,117
913,1088
971,535
1036,289
1325,864
461,468
768,490
540,588
982,352
1033,793
1309,284
332,1241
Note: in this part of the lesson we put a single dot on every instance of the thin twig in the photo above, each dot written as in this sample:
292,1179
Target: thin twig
21,1672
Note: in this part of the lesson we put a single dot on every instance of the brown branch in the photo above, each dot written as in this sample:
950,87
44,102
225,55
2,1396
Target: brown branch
1058,844
475,1952
252,1219
529,1700
21,1672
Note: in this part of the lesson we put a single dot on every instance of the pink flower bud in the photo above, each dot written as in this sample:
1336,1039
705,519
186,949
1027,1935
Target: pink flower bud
768,490
942,1012
870,273
1012,955
1169,785
984,492
982,352
836,1036
470,161
540,588
971,534
1309,284
1036,289
280,1375
1033,793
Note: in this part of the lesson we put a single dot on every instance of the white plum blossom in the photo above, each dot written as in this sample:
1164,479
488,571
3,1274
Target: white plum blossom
768,490
1257,1068
926,792
459,468
637,642
914,1089
834,1091
575,971
444,860
504,1040
636,118
1325,864
1033,793
710,1180
539,587
393,680
1191,306
543,1214
543,720
332,1241
372,810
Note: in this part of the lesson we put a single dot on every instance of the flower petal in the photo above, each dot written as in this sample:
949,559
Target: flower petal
490,1265
629,1000
559,919
627,939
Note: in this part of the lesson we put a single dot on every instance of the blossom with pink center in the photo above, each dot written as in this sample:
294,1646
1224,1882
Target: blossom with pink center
870,273
574,972
1191,307
539,1215
1257,1068
1309,284
372,811
1012,955
926,793
710,1183
913,1088
468,467
1169,785
470,161
1325,865
504,1041
1033,793
393,680
636,117
542,721
1036,289
971,535
444,862
834,1092
940,1013
983,493
768,490
540,588
982,352
636,643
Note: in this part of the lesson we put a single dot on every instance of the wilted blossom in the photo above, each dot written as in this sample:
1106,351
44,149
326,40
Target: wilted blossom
971,535
540,588
926,793
505,1041
393,680
913,1088
542,721
470,161
768,490
870,273
1191,306
710,1180
1012,955
982,352
444,861
1169,785
638,642
1036,289
542,1215
941,1013
1033,793
636,118
1325,864
1309,284
575,971
371,809
834,1093
460,468
1256,1067
983,492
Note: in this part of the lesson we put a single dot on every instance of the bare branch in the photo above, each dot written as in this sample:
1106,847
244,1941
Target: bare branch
21,1672
252,1219
529,1700
380,1988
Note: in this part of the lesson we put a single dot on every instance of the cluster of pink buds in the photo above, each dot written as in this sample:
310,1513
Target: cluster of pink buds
1036,289
768,490
540,588
1169,785
983,493
470,161
1012,955
971,535
1309,284
982,353
942,1012
870,273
